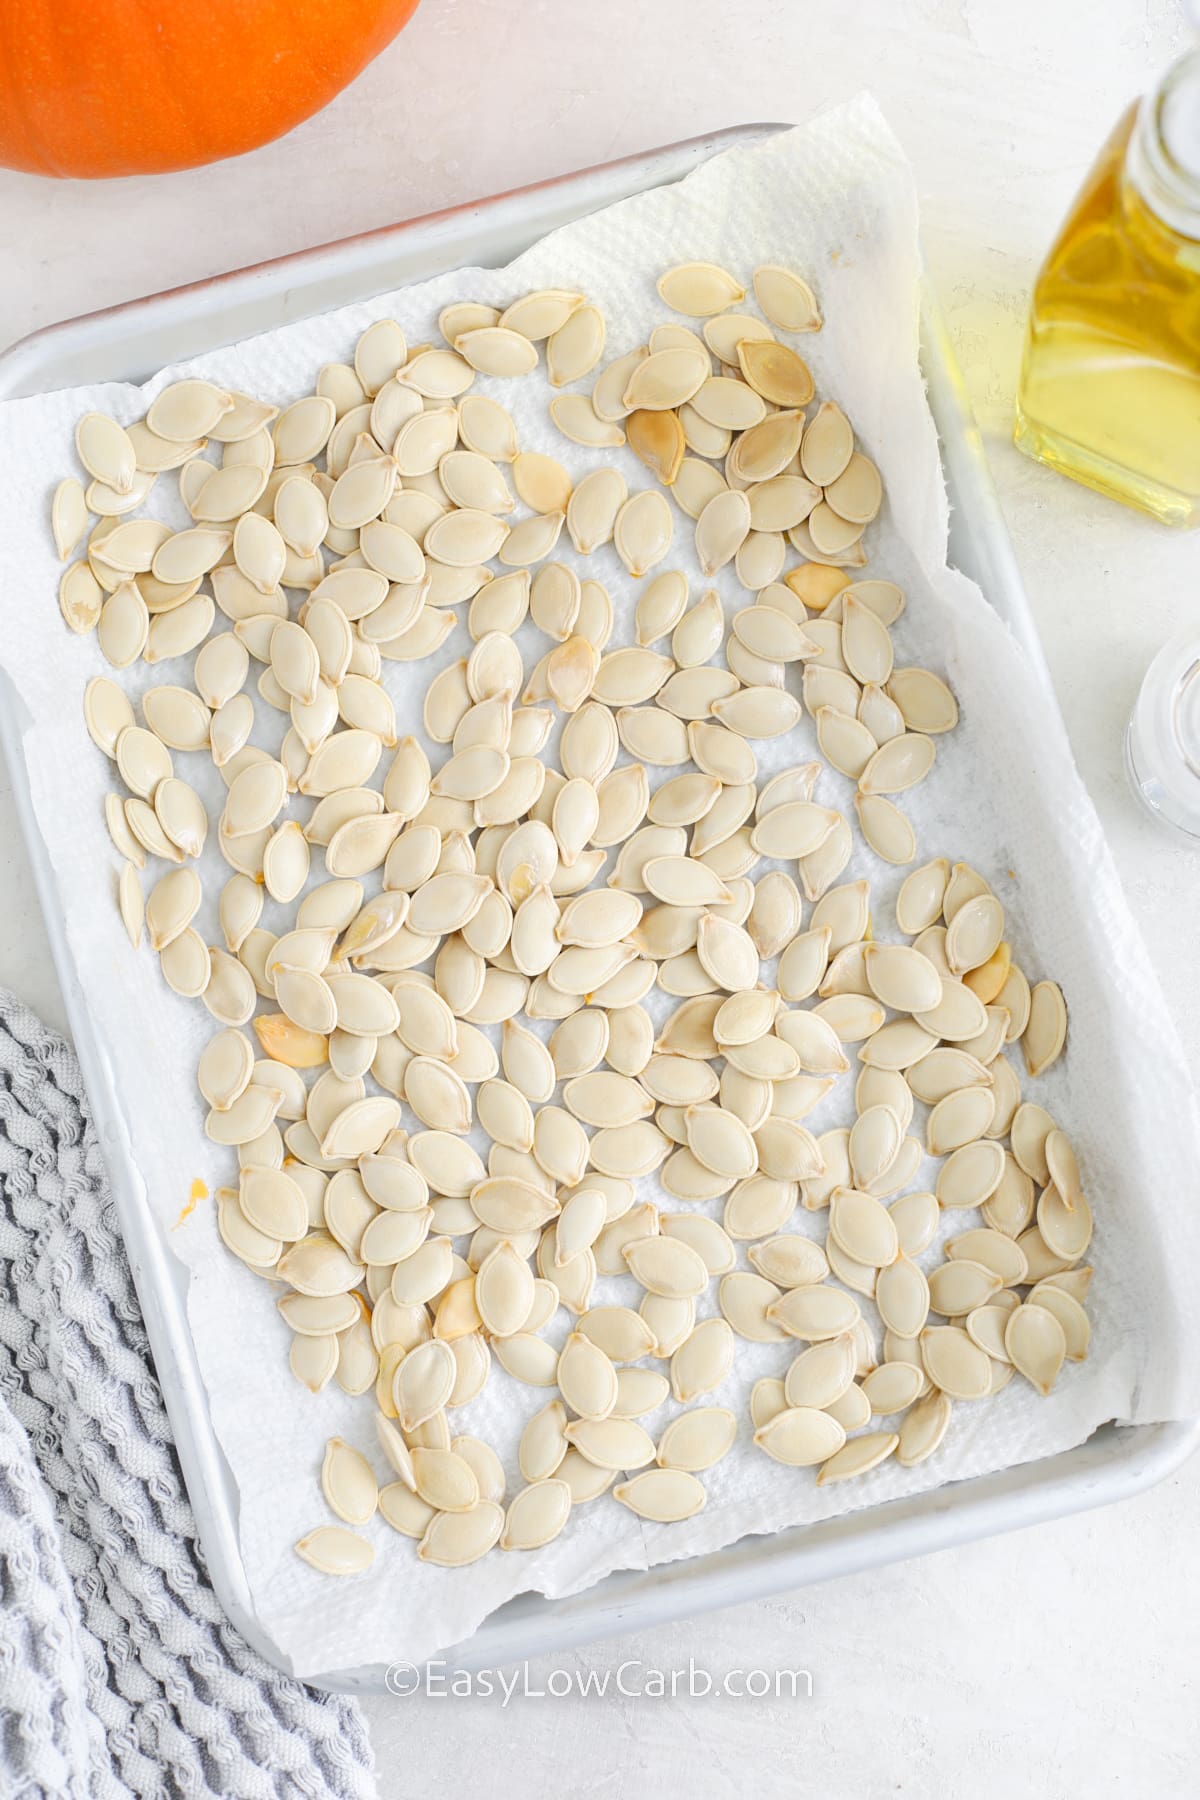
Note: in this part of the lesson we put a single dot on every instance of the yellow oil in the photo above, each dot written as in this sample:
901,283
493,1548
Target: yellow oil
1110,383
198,1192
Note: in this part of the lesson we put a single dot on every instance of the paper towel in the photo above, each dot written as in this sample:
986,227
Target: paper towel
835,200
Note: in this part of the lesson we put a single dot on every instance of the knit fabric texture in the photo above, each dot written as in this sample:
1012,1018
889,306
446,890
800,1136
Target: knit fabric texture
119,1672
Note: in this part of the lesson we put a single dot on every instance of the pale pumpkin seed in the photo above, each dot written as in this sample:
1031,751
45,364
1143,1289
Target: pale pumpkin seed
1036,1344
574,349
536,1515
1046,1032
334,1550
800,1436
954,1364
786,298
923,1428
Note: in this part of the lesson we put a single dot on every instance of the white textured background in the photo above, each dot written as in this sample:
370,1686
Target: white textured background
1060,1662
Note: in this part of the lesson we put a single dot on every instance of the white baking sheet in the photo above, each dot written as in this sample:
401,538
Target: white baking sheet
836,200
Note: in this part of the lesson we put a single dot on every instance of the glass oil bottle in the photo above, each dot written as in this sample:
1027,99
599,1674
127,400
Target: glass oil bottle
1110,382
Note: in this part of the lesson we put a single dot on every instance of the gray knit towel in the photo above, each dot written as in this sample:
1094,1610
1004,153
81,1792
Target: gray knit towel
119,1673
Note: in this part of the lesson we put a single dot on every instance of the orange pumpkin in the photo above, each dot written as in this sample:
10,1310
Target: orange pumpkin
127,87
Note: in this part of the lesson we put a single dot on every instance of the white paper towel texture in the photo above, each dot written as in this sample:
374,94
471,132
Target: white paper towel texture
834,200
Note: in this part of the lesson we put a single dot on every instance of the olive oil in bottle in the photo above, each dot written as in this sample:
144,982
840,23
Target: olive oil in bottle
1110,382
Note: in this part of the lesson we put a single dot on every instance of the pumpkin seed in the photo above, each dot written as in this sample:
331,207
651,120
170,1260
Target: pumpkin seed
536,1515
775,372
1036,1344
699,289
954,1364
758,712
819,1376
862,1227
106,452
664,380
746,1301
959,1119
925,702
786,298
720,531
662,1495
858,1456
577,419
452,1540
642,531
586,1378
902,1296
348,1483
789,1261
698,1439
898,764
331,1548
701,1362
611,1443
1046,1031
971,1175
974,933
886,830
1068,1310
800,1436
958,1287
857,493
576,347
667,1266
639,1391
923,1428
852,1410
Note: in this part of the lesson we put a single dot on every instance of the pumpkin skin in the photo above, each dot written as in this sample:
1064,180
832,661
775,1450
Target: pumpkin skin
96,88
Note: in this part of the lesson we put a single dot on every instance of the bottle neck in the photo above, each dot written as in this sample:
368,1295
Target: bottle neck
1162,161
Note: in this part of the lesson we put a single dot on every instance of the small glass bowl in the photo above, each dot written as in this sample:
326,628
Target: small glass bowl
1162,743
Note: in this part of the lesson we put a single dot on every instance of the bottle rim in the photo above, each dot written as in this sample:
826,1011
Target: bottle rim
1169,187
